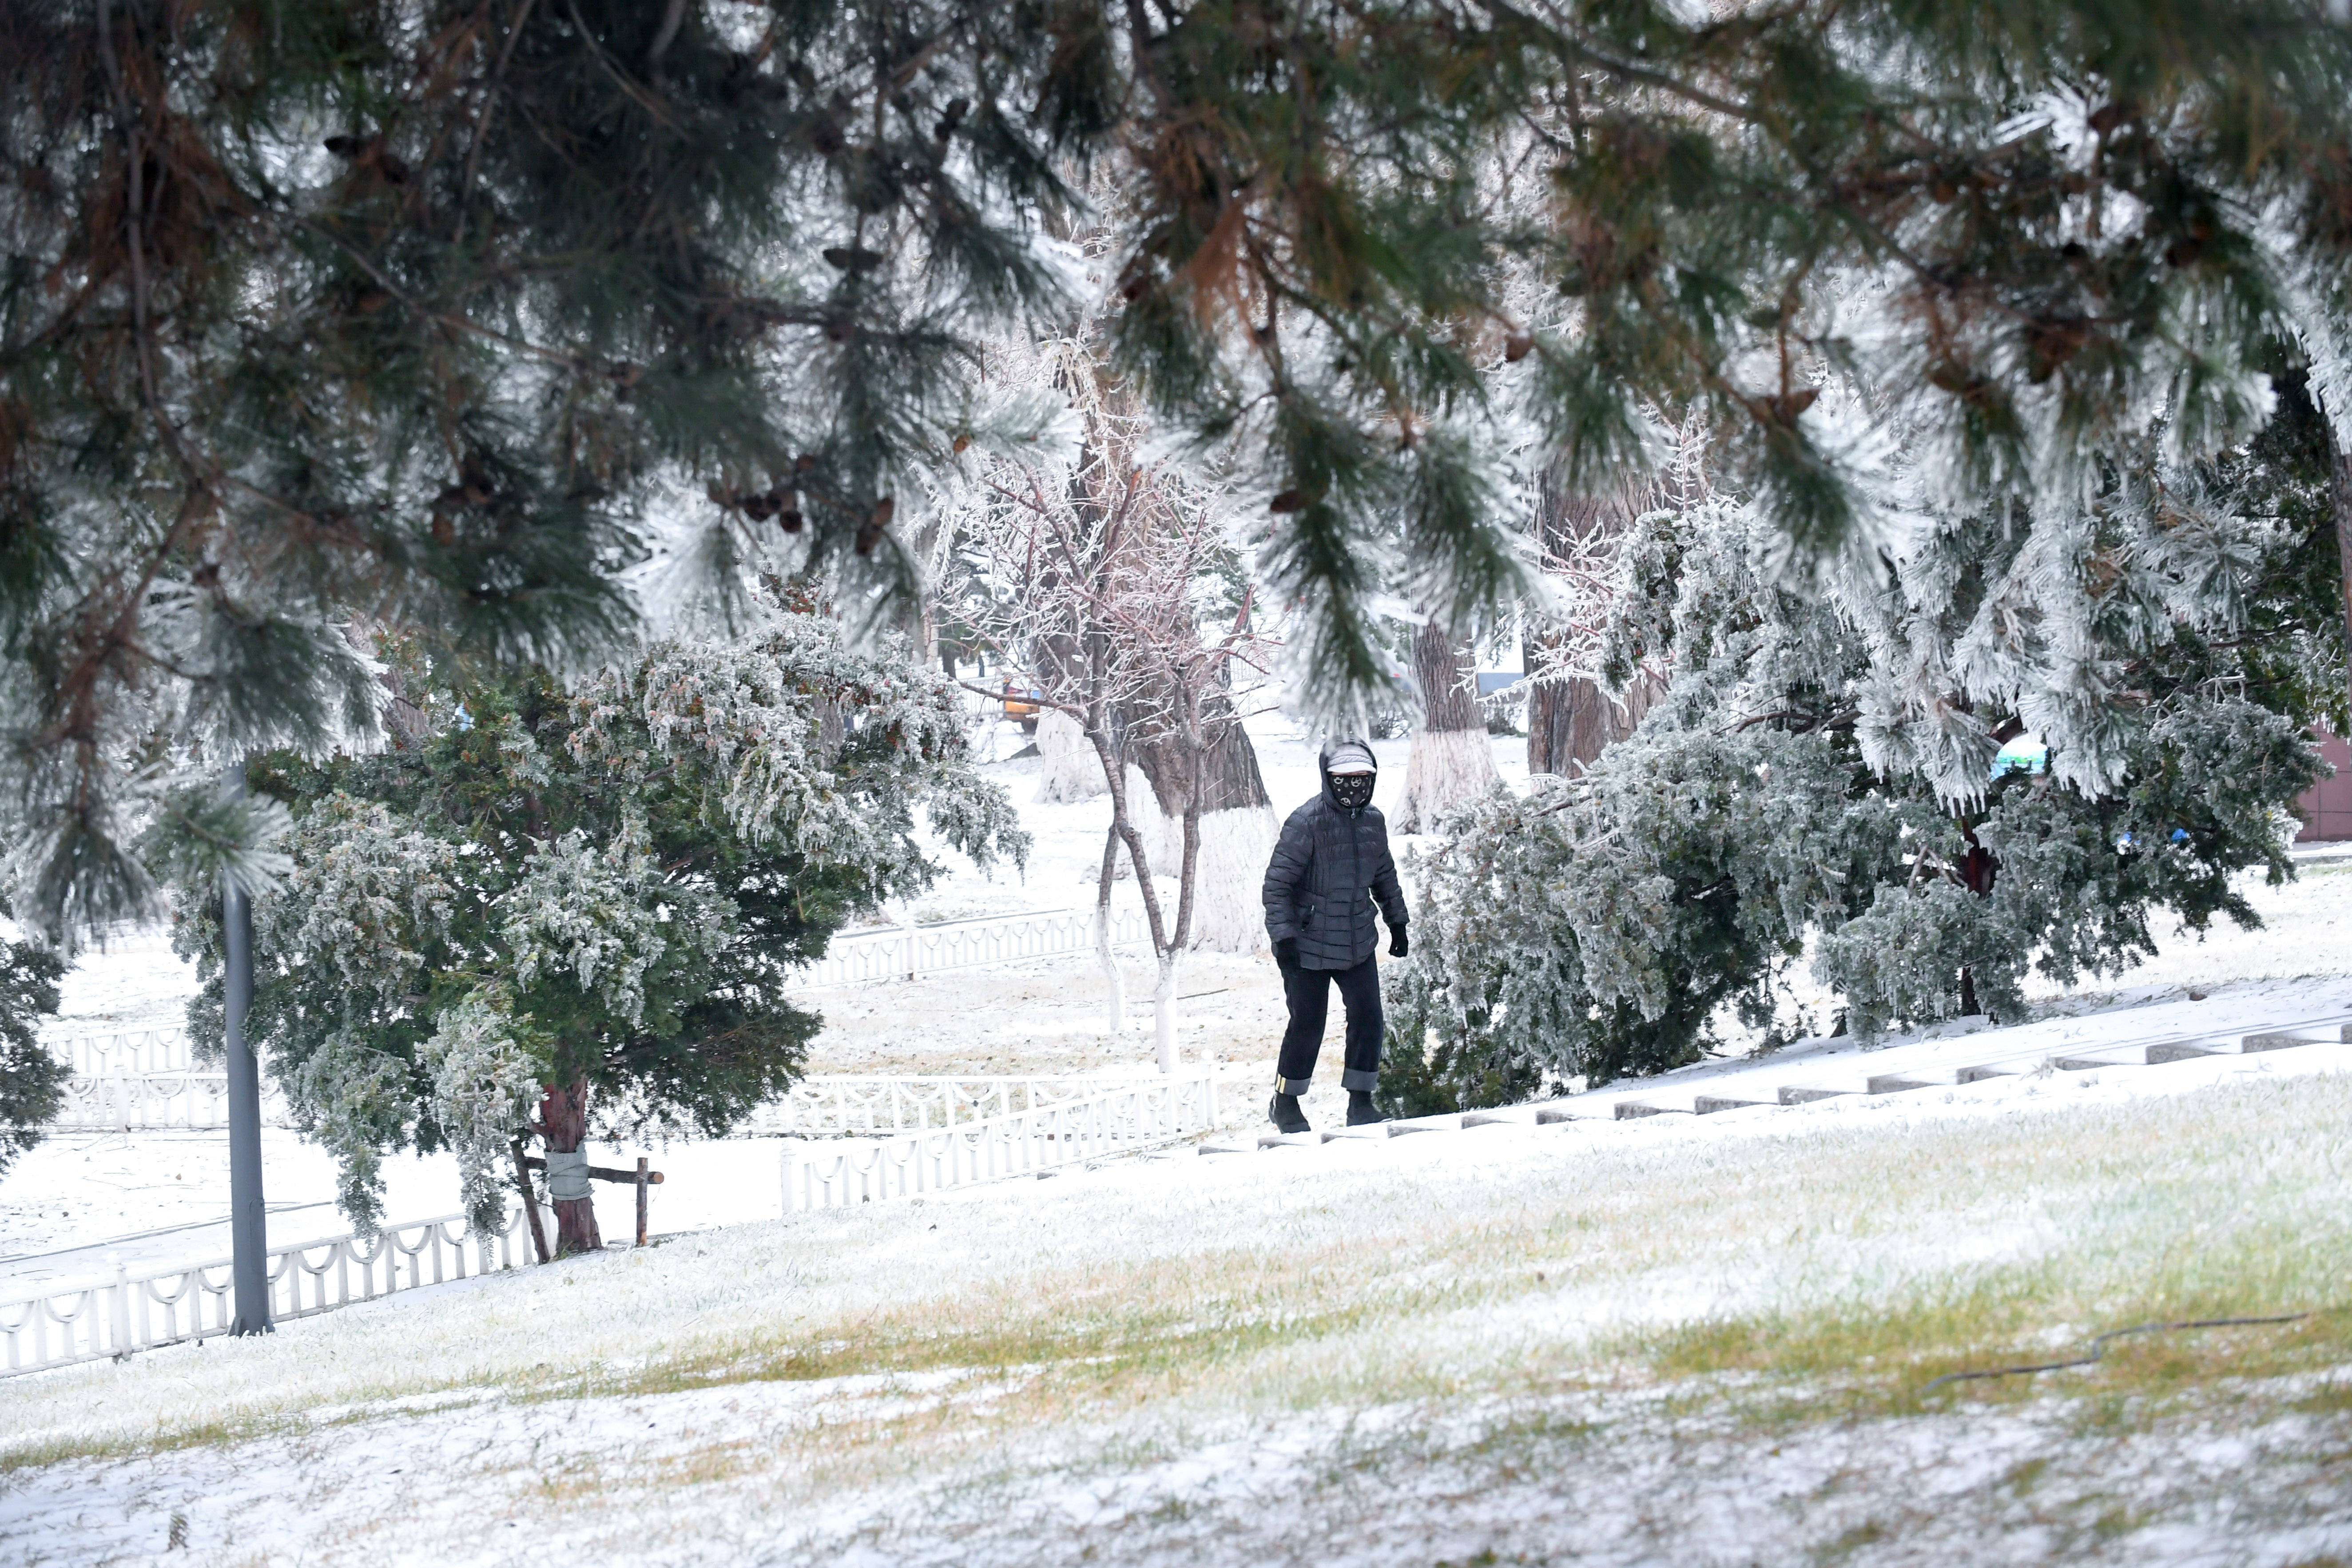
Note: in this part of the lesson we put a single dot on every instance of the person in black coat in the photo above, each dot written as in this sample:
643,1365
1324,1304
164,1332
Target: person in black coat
1330,866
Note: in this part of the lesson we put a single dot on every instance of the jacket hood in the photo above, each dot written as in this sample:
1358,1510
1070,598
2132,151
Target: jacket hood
1323,765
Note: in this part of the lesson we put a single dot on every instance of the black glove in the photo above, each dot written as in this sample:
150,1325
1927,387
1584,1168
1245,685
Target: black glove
1398,946
1285,952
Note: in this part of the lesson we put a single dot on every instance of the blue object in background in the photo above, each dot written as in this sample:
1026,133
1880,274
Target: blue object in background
2026,754
1492,680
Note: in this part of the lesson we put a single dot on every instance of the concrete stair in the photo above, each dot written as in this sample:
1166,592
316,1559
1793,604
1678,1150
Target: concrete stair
1772,1082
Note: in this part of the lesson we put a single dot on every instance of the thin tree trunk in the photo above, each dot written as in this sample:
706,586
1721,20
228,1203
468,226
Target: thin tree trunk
1116,981
529,1204
1221,783
1163,1015
563,1121
1162,940
1163,1004
1452,761
1979,871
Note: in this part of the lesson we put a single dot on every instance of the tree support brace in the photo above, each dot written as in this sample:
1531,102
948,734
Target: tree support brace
640,1178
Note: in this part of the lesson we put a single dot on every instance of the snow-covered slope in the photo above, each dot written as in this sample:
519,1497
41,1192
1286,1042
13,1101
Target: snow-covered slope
1184,1359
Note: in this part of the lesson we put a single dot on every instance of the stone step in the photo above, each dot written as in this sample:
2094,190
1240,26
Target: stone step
2287,1039
1501,1116
2091,1061
1733,1097
1631,1109
1901,1082
1424,1125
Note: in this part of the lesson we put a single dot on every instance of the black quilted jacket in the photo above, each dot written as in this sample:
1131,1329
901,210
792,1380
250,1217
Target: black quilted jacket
1329,869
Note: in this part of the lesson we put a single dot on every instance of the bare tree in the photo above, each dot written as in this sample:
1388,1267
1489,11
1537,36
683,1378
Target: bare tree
1573,715
1087,579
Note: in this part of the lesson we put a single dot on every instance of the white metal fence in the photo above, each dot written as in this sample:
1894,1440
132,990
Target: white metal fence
851,1105
146,1080
127,1051
120,1102
902,952
116,1315
1106,1118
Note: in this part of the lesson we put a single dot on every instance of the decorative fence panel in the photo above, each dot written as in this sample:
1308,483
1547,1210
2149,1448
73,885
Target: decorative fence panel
1103,1118
150,1079
851,1105
127,1312
133,1051
120,1102
144,1080
905,952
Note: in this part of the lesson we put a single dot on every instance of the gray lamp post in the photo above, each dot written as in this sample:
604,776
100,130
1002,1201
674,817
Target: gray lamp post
247,1221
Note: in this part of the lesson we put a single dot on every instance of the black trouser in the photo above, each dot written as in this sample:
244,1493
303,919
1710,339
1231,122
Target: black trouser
1309,991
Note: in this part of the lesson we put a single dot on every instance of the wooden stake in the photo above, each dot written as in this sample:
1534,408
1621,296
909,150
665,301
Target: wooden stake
645,1190
530,1201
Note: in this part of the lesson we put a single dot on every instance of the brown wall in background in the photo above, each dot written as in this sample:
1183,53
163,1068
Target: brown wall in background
2327,807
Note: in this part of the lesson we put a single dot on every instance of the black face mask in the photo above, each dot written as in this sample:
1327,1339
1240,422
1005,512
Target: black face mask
1353,791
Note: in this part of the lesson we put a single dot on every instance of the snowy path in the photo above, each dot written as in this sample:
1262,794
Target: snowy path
2250,1020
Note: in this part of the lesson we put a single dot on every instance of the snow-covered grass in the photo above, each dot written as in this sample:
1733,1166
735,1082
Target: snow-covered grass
1676,1339
1673,1340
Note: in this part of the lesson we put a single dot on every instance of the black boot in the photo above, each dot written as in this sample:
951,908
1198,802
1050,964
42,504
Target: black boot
1360,1109
1288,1117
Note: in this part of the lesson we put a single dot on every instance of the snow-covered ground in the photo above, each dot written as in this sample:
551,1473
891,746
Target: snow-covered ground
160,1196
1419,1349
1422,1350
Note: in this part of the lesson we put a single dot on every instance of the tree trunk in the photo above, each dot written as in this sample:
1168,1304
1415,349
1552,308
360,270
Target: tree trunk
1072,772
1163,940
1571,722
563,1121
1115,980
1979,871
1453,761
1188,880
1237,824
1230,780
1164,1013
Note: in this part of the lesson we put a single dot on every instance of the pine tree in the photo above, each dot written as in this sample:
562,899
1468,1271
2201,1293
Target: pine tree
32,1081
450,316
449,313
1821,767
554,911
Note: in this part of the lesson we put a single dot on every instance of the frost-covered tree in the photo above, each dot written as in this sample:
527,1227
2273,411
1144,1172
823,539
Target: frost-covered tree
1097,576
1820,769
32,1081
421,308
554,911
